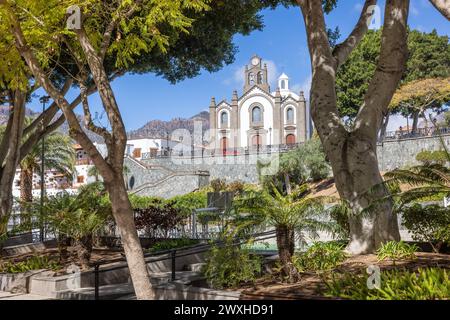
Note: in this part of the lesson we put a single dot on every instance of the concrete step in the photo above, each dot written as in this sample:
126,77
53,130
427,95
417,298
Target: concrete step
195,267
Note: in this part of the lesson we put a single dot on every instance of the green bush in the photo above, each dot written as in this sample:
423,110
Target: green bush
395,251
228,265
33,263
428,223
173,244
429,157
141,202
185,204
426,284
321,256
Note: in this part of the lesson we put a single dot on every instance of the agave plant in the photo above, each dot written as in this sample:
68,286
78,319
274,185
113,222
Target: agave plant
289,214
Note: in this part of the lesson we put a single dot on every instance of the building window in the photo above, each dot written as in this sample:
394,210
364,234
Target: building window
256,115
290,139
137,153
260,78
290,115
80,179
224,119
283,84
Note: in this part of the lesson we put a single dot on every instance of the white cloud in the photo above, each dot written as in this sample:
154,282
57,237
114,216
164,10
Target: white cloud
304,86
414,10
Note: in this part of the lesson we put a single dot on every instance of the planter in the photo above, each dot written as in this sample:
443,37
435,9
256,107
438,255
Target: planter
220,200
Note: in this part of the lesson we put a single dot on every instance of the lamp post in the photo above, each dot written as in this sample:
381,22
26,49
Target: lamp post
44,100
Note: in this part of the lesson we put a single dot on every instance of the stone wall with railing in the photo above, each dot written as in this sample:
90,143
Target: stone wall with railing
182,174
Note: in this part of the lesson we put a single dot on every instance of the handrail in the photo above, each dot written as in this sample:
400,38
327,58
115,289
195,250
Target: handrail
172,254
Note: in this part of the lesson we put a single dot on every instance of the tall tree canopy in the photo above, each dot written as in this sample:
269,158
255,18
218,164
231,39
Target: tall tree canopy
429,57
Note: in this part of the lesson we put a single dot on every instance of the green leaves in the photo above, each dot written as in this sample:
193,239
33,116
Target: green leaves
395,251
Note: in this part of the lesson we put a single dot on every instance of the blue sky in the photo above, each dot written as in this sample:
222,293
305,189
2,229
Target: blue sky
282,44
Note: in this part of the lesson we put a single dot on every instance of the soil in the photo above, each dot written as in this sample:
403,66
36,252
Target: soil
311,285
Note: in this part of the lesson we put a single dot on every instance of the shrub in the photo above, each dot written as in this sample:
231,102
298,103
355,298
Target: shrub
173,244
429,157
32,263
140,202
185,204
218,185
237,187
395,251
428,223
321,256
228,265
158,219
426,284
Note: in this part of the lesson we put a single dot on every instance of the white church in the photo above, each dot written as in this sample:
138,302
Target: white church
259,117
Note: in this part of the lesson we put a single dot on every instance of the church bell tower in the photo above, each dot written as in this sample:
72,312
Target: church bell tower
256,75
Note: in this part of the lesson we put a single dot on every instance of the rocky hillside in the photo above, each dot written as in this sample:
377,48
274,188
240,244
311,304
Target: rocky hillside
153,129
159,129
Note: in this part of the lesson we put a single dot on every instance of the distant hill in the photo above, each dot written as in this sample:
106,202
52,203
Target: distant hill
159,129
153,129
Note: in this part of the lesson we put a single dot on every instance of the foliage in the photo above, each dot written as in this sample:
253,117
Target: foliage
218,185
425,284
340,213
158,219
429,58
303,164
430,157
429,223
320,256
395,251
142,202
237,187
185,204
173,244
229,264
32,263
296,210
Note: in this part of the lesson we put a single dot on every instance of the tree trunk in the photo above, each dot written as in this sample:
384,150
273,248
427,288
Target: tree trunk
384,127
358,180
286,247
287,182
9,156
124,217
26,184
84,249
415,124
63,242
352,153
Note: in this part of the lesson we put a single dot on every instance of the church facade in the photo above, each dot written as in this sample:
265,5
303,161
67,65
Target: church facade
259,117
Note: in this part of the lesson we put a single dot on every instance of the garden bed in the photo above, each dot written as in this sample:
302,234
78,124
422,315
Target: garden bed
312,286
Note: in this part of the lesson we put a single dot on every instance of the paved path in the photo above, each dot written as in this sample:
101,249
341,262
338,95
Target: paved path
20,296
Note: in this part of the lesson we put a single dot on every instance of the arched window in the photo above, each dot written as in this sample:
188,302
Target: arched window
256,115
224,118
260,77
283,84
290,139
290,115
251,78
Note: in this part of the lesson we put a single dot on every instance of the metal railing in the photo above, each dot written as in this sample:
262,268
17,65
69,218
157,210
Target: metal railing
173,254
227,152
419,133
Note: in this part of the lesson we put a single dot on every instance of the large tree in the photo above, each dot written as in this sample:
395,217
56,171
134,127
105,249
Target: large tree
175,39
352,150
429,57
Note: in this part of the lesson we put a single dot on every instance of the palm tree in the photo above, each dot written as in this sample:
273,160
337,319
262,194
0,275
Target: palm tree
59,156
93,172
291,213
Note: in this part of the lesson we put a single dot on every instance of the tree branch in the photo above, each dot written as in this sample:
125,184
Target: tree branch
390,68
443,6
40,76
344,49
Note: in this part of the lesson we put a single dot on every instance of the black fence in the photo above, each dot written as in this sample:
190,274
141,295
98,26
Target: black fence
419,133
